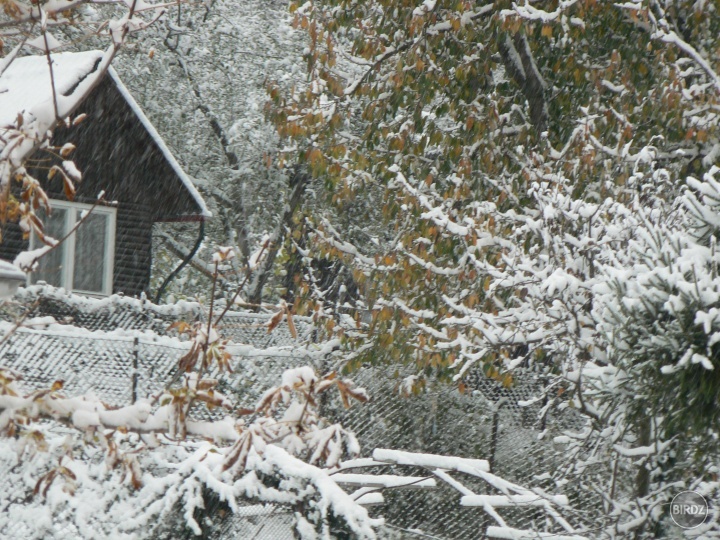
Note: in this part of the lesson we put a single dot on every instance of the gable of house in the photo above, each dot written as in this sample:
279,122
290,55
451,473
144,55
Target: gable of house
121,155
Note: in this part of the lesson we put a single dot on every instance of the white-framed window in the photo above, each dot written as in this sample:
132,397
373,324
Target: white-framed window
84,262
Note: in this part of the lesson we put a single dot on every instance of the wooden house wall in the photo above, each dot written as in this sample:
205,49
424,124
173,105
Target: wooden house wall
133,246
116,155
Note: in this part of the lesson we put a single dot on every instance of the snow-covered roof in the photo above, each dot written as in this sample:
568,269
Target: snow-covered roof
26,84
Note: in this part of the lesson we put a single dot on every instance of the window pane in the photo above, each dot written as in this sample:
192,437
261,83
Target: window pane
50,266
90,247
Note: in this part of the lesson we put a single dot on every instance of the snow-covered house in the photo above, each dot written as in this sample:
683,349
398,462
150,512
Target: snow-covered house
119,153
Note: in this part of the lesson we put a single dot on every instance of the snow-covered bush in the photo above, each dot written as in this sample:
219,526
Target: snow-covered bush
72,464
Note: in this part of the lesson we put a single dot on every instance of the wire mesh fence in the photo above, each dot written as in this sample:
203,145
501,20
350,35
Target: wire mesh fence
119,350
485,422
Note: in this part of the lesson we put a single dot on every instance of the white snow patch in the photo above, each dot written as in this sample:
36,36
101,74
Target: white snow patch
26,82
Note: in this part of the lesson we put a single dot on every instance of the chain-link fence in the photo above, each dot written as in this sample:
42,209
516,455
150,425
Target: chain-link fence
508,427
118,349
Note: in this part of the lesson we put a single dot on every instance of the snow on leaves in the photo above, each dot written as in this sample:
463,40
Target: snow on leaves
145,447
528,163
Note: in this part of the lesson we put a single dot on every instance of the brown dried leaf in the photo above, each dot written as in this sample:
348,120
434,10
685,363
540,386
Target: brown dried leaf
68,188
269,400
187,363
236,458
45,480
348,391
40,198
135,474
207,384
211,400
323,385
67,149
291,325
181,326
67,472
275,321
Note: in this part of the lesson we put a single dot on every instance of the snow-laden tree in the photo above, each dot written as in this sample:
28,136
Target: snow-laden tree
528,170
421,112
201,77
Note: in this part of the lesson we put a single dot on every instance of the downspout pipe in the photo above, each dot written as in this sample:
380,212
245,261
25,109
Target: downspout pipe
183,264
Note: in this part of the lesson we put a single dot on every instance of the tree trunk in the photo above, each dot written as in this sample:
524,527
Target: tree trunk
520,65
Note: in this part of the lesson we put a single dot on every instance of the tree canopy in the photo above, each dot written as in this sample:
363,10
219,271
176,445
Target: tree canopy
536,184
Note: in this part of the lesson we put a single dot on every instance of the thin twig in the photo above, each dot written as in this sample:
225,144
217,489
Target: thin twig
52,74
205,346
20,321
240,287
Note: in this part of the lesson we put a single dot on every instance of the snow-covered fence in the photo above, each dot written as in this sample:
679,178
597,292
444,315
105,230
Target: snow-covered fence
118,349
123,366
508,427
119,312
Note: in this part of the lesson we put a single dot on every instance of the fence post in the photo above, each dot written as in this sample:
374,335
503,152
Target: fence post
494,432
135,374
